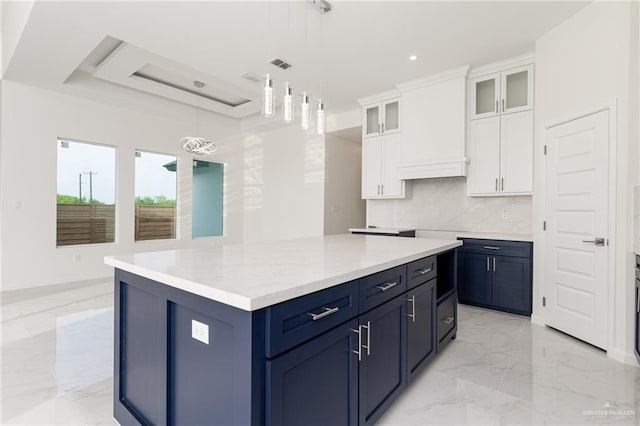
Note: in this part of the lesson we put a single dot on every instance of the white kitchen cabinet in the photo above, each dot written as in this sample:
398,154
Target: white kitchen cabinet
501,150
380,167
500,93
381,118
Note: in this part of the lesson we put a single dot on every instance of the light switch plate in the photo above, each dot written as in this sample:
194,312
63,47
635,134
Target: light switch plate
200,331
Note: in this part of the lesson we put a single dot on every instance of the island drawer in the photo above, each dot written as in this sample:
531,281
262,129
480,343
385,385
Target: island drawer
381,287
421,271
295,321
497,247
446,318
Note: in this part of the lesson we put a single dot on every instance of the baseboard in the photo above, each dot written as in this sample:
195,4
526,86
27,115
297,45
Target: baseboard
537,320
623,357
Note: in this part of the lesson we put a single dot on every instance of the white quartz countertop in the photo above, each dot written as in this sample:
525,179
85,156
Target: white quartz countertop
257,275
381,230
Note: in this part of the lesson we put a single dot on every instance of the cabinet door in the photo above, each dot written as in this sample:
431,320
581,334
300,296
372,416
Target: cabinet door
392,186
474,285
511,284
485,95
517,90
391,122
383,366
420,327
484,148
316,383
516,153
372,119
371,167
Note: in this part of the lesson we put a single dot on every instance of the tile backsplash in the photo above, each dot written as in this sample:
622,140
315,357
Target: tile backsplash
442,204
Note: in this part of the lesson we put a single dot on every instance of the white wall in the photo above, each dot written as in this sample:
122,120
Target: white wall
284,184
442,204
274,180
343,206
13,18
32,120
583,64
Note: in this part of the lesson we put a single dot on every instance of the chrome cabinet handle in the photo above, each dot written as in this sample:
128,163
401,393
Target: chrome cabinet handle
487,263
381,189
597,241
412,315
491,247
368,346
359,351
387,286
503,105
501,184
326,313
496,184
382,127
379,128
448,320
638,301
496,106
424,271
494,264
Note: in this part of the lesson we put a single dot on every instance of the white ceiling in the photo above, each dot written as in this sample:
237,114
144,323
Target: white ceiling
357,49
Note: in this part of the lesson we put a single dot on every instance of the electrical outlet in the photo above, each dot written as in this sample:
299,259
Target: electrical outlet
200,331
17,204
335,209
76,258
505,214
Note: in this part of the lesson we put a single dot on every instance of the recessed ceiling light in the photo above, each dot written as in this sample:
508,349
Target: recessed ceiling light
413,57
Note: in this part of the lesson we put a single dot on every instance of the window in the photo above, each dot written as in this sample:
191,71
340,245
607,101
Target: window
155,191
208,191
85,193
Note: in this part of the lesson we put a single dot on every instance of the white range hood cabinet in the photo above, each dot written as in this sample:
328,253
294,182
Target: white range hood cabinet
433,123
434,169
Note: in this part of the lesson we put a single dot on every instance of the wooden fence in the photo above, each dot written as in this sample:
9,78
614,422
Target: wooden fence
155,222
92,223
85,224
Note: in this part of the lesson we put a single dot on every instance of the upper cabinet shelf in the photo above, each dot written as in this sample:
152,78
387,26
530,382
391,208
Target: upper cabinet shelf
503,92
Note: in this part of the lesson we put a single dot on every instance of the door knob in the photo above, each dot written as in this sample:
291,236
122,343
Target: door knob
597,241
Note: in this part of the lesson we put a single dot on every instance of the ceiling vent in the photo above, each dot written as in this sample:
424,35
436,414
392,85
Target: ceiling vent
252,77
281,63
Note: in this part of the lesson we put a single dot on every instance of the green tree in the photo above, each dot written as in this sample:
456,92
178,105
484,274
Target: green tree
70,199
157,200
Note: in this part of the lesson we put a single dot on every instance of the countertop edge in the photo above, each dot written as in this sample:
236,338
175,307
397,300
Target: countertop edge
256,303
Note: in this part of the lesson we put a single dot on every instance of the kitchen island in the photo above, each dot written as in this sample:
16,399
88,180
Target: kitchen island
323,330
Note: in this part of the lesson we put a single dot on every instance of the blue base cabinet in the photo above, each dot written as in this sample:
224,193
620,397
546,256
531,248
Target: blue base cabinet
340,356
421,345
637,310
316,383
496,274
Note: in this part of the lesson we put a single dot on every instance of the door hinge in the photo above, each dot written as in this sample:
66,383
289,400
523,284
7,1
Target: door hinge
544,225
544,301
545,150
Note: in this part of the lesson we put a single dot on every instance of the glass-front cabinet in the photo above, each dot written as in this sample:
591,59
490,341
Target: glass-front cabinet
382,118
502,93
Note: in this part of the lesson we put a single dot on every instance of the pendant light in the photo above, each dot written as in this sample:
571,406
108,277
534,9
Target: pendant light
320,118
267,97
195,144
287,104
305,111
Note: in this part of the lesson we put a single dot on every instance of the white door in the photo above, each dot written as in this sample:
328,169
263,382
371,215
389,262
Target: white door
392,186
516,153
371,167
484,146
577,215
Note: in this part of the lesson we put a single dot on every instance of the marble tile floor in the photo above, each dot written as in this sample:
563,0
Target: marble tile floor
56,369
